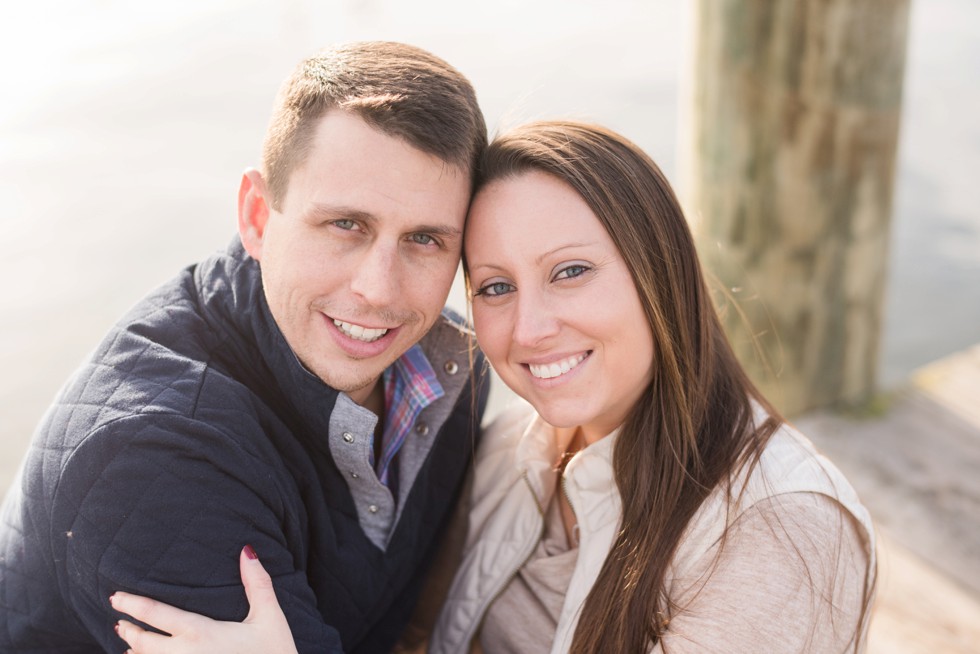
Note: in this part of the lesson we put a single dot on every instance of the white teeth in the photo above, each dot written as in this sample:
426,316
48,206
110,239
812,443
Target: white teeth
551,370
359,333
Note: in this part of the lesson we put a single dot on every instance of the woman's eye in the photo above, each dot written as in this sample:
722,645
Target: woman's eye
569,272
495,289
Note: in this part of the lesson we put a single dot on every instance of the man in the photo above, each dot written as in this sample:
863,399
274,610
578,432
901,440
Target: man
301,392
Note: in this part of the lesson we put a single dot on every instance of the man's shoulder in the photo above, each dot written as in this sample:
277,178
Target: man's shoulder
159,361
450,335
153,357
456,321
451,349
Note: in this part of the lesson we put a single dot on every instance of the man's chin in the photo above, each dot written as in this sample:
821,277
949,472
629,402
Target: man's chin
358,385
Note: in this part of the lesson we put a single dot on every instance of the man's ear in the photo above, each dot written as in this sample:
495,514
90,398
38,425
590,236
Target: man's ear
253,212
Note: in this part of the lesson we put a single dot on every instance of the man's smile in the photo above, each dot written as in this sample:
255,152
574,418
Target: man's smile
359,333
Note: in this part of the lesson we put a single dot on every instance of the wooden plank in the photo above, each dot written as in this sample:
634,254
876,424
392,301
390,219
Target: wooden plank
917,469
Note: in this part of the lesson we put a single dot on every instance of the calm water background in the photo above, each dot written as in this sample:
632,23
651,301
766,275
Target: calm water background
124,128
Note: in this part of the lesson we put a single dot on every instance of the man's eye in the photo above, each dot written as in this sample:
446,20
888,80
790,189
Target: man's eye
345,223
423,239
569,272
495,289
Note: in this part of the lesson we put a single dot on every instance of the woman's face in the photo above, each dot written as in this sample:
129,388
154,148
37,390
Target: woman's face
554,305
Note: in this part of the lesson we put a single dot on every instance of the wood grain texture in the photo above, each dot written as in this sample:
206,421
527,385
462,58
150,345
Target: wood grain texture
795,115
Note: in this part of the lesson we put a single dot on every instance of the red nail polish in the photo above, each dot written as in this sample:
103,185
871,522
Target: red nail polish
250,553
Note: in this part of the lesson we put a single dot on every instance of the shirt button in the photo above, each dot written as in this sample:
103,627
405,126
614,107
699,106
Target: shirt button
422,429
451,367
373,508
349,437
354,475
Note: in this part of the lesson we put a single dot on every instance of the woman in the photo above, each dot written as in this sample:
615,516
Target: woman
652,499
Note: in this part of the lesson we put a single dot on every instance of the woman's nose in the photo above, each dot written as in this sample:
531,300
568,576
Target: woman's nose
534,322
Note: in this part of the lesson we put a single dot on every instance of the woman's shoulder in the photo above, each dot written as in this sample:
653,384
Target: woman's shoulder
789,483
791,467
506,429
495,456
790,463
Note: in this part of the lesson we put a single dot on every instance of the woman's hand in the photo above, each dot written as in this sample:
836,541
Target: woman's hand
264,629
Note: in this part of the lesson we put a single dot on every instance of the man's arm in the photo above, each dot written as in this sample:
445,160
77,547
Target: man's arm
264,631
161,506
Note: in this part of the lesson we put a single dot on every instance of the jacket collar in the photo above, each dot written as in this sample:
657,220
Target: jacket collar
589,480
229,288
590,485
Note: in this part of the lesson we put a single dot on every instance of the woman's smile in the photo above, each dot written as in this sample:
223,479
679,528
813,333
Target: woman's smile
557,368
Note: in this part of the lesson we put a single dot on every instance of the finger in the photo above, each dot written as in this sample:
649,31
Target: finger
141,641
157,614
258,584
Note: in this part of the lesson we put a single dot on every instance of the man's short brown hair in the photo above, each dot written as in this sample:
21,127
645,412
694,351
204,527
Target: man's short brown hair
399,89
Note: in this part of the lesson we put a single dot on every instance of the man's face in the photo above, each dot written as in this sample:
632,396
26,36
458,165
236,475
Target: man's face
357,265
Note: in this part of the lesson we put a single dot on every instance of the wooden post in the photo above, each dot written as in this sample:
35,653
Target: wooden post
794,115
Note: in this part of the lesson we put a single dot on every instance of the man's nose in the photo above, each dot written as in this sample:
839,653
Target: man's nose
376,275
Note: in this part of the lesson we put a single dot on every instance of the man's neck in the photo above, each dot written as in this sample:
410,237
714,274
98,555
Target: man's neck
375,400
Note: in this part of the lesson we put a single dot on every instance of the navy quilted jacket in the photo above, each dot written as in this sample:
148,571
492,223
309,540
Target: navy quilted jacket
192,431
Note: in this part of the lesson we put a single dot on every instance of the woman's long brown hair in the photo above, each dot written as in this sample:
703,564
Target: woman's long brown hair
693,427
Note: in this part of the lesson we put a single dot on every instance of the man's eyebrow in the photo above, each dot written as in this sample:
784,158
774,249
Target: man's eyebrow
446,231
338,212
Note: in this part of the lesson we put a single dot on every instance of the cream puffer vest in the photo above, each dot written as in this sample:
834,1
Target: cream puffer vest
514,471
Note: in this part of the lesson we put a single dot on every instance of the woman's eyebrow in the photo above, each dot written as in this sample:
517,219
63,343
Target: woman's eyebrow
567,246
489,266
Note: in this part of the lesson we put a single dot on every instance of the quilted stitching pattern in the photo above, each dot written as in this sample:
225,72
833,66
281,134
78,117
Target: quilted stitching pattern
174,446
